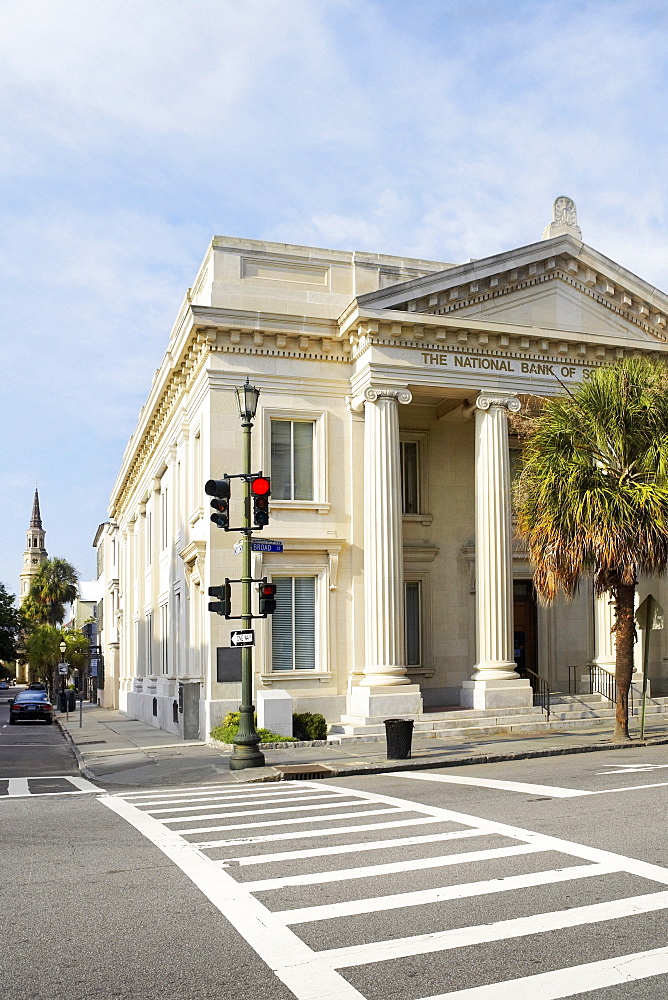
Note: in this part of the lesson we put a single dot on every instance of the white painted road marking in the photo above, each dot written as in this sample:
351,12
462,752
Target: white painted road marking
294,962
569,982
506,786
19,787
460,937
312,975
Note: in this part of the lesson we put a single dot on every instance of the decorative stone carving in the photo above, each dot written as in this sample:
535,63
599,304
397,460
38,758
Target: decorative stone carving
564,219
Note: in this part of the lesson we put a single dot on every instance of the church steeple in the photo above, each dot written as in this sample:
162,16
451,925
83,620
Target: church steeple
35,552
36,519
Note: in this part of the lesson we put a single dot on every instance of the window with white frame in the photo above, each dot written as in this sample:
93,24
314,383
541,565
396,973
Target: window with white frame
292,473
413,622
164,638
293,631
410,477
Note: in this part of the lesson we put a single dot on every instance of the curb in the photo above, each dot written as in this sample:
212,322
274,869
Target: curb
87,773
492,758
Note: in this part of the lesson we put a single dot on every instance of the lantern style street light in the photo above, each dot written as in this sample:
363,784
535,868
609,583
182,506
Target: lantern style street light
246,751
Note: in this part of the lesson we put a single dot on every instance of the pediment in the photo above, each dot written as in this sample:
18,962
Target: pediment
558,284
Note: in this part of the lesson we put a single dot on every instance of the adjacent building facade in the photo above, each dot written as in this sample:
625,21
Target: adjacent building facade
386,386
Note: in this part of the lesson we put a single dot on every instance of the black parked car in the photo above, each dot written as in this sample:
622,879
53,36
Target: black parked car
30,705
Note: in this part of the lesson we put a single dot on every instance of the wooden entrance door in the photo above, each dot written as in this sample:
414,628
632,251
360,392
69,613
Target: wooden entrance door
524,618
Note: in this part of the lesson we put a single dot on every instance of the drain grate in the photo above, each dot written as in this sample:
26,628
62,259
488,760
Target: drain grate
89,743
305,772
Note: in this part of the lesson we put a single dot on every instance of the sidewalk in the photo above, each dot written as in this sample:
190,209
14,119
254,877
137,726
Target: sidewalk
119,751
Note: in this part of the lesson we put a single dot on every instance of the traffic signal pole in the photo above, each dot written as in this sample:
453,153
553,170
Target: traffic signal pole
246,751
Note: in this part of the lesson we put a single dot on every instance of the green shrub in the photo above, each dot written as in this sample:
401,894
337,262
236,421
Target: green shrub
309,726
230,725
305,726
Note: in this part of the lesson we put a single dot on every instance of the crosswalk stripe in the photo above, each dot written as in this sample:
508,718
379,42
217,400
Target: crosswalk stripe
310,834
289,822
158,799
181,808
18,786
258,812
398,901
354,848
569,982
371,871
461,937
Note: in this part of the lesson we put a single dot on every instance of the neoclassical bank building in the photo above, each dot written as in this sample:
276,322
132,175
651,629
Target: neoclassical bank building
386,386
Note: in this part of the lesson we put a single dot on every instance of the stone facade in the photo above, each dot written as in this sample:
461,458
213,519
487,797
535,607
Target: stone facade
385,385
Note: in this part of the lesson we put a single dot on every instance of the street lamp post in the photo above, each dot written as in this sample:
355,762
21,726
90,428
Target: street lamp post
63,650
246,752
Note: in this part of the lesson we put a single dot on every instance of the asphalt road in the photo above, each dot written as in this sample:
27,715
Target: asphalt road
31,749
539,878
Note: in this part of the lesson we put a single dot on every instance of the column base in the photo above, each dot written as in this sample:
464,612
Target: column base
496,694
366,705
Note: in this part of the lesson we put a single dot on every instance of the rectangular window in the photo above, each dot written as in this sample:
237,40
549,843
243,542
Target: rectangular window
413,623
410,477
292,459
293,624
164,638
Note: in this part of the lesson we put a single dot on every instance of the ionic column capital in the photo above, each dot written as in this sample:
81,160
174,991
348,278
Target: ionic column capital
372,395
510,403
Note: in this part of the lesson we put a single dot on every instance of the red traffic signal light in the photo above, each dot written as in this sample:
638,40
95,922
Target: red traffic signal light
260,486
260,491
267,598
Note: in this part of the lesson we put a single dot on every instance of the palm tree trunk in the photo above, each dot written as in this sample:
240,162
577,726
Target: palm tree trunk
624,641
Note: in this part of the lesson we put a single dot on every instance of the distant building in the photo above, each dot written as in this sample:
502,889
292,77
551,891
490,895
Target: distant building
35,551
386,385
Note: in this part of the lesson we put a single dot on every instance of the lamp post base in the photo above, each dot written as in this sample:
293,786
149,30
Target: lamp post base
246,756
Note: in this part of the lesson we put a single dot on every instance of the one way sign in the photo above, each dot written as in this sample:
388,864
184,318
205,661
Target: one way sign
243,637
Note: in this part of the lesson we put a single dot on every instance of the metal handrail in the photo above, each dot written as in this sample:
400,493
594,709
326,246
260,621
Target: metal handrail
602,682
541,690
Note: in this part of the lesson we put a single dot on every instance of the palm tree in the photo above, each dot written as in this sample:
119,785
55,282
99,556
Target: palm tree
592,495
53,586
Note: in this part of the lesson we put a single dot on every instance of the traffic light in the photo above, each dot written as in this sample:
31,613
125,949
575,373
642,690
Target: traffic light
260,491
267,598
223,605
219,489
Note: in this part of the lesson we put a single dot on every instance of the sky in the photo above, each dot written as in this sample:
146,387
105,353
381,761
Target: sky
132,131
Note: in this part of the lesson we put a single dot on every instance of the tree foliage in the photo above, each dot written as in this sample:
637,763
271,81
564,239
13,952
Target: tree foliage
592,495
52,588
42,646
11,625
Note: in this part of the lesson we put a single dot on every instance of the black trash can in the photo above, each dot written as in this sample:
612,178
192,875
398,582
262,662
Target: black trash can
398,733
67,701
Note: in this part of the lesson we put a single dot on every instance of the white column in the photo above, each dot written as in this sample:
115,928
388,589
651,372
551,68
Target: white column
384,689
494,683
383,542
604,640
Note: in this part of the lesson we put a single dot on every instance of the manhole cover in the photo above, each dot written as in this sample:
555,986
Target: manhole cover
305,772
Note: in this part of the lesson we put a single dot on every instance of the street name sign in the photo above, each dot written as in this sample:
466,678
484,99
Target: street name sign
243,637
260,545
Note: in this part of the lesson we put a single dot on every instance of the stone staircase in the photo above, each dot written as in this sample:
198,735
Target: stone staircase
567,711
